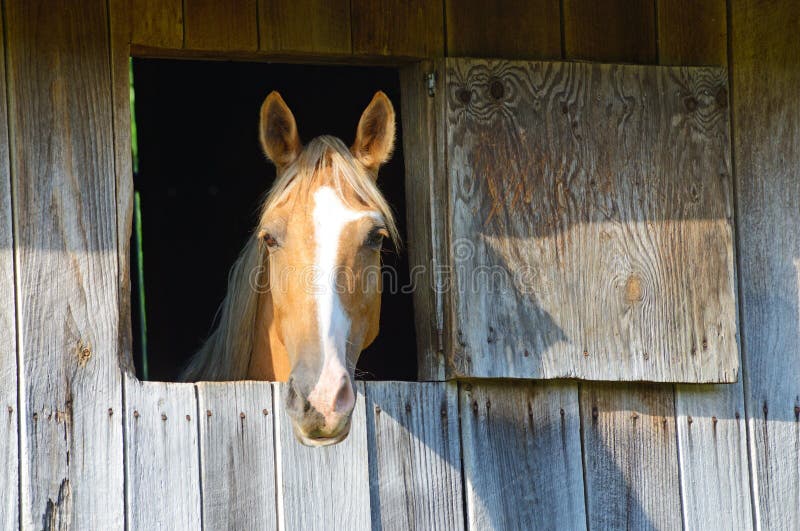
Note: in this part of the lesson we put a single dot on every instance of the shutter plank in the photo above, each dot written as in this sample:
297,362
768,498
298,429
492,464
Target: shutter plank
220,26
304,26
590,212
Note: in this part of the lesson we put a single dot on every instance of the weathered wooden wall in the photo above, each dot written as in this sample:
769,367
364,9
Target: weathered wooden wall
609,455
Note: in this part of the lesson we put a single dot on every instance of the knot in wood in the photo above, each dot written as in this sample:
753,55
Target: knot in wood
496,89
690,103
464,95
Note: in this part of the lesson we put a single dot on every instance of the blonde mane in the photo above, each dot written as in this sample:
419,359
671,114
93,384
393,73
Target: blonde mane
226,353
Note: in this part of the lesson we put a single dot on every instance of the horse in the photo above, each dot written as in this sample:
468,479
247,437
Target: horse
304,295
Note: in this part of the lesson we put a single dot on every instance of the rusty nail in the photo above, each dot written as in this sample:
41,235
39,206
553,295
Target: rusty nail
378,409
188,417
562,412
163,416
585,353
35,416
110,412
135,414
634,415
208,412
264,411
595,413
241,415
689,419
736,415
714,420
10,409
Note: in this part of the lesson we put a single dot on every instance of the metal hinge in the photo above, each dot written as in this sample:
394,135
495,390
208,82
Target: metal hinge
430,80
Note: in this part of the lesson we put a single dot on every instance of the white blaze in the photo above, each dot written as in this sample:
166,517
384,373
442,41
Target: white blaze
330,216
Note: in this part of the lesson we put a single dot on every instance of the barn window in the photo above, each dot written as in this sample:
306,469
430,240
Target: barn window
201,177
566,220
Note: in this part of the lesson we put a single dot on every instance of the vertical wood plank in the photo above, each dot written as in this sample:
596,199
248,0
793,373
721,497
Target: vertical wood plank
162,487
766,76
522,456
119,24
220,26
237,455
712,433
630,459
305,26
610,31
9,457
65,233
409,28
324,487
415,455
426,193
508,29
623,30
692,33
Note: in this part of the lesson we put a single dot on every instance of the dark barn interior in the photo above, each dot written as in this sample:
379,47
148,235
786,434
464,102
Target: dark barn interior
202,177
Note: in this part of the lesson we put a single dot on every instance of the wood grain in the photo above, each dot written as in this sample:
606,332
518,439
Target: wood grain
220,26
522,456
119,27
305,26
506,29
162,488
630,457
712,434
157,23
426,194
237,461
692,33
412,28
611,30
766,74
64,207
322,488
9,456
590,212
415,455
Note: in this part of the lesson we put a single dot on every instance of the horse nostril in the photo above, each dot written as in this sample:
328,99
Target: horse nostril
345,399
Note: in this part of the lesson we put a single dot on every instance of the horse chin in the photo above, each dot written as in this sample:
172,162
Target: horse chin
316,442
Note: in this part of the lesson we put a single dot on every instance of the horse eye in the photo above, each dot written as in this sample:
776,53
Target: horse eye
375,238
269,240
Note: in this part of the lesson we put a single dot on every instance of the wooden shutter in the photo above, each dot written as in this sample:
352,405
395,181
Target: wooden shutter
588,222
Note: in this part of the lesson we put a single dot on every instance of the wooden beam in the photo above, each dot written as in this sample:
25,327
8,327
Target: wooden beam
765,51
9,436
60,116
220,26
410,28
507,29
304,26
610,30
157,23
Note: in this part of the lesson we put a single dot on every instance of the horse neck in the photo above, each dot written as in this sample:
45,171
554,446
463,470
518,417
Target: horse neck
269,359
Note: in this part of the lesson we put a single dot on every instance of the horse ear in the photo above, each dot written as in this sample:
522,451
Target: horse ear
278,131
375,134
